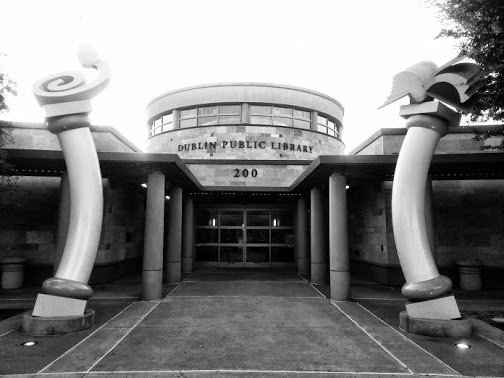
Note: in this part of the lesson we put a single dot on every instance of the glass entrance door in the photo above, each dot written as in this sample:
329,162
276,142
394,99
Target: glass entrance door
257,248
253,238
231,238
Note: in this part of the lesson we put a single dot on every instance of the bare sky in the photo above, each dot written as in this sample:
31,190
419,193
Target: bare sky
347,49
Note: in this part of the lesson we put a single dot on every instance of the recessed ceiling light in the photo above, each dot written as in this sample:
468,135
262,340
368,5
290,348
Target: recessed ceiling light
29,343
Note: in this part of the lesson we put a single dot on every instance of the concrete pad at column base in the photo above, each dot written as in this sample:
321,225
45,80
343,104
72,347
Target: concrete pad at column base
435,327
57,325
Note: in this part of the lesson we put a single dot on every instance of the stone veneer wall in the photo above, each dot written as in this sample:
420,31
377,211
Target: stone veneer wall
37,137
30,229
279,175
121,242
28,220
458,140
367,224
316,143
468,221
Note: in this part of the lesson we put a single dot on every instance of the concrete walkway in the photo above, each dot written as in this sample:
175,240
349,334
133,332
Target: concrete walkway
253,323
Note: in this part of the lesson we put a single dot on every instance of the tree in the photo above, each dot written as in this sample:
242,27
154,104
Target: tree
7,170
479,27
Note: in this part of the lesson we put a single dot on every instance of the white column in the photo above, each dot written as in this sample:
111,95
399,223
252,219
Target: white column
152,275
339,259
318,241
188,236
302,237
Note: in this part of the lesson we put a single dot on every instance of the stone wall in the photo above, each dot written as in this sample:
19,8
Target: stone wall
257,143
243,175
367,224
34,136
29,229
458,140
123,225
469,221
28,221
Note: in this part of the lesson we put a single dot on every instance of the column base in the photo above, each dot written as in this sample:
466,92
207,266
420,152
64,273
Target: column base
435,327
57,325
318,273
152,284
62,287
173,272
303,265
187,265
340,285
429,289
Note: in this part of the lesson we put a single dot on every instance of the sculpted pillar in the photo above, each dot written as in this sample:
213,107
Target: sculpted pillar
65,99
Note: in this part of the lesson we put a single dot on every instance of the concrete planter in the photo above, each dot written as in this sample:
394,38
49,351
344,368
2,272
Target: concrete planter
470,274
12,272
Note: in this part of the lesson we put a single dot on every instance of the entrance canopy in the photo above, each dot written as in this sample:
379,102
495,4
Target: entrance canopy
361,169
128,166
132,167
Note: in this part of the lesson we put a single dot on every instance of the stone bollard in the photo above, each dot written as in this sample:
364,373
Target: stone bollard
12,272
470,274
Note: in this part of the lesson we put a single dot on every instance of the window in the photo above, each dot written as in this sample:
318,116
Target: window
326,126
231,114
211,115
280,116
161,125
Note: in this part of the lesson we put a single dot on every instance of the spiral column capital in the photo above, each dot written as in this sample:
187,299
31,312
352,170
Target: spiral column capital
69,92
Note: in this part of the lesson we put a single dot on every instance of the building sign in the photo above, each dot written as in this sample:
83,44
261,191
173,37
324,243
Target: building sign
240,144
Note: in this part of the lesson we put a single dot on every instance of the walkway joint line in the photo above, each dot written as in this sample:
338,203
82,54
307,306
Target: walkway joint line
492,341
293,372
367,333
122,338
309,283
91,334
411,341
6,333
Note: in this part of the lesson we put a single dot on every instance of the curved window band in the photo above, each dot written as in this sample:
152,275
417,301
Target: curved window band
268,115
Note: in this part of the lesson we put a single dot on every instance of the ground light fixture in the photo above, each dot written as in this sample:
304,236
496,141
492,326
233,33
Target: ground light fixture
462,345
167,197
144,185
29,343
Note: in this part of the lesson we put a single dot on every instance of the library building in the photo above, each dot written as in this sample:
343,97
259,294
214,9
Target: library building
243,174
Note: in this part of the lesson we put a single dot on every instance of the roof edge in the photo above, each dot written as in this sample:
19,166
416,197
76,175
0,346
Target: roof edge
247,84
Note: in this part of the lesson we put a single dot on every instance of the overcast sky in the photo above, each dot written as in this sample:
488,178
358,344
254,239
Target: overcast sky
347,49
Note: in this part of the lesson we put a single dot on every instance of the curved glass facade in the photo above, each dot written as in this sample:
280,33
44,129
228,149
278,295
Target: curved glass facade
236,114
